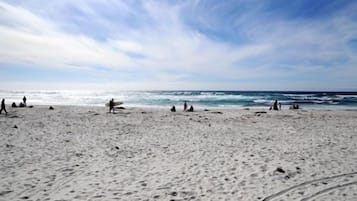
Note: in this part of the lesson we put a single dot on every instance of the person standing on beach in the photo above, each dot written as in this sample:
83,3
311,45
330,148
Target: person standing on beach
3,106
24,99
185,106
275,105
111,105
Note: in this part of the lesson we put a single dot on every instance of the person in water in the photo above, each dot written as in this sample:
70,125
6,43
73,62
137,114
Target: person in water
3,106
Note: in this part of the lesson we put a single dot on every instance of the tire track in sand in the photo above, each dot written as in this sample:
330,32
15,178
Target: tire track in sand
328,189
315,181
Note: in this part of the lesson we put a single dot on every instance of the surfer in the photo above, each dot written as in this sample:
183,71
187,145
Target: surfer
111,105
3,106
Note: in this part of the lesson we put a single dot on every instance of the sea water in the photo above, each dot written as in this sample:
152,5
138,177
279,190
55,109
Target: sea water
201,99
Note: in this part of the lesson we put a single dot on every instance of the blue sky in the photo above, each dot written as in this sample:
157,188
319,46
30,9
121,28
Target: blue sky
200,45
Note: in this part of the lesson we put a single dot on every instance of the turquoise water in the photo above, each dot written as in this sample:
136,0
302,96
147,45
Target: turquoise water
196,98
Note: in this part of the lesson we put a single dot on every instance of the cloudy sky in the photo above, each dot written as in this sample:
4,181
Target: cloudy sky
208,44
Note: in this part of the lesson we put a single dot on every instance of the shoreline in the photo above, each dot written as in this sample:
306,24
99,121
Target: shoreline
200,107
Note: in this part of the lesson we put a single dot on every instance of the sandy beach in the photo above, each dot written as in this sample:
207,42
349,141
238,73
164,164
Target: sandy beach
85,153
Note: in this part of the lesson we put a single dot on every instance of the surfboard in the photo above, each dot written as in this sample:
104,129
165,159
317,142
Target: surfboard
115,103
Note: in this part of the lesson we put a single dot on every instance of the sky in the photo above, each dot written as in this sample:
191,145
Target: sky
179,45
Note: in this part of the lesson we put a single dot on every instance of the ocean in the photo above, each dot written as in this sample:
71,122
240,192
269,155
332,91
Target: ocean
200,99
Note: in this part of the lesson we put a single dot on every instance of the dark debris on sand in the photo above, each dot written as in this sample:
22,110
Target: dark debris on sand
279,169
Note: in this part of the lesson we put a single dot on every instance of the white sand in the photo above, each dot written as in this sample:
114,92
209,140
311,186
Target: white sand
83,153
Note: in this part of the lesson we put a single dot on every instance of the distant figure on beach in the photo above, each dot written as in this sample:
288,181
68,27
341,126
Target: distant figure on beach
191,109
274,106
3,106
185,106
294,107
24,99
279,106
111,105
173,109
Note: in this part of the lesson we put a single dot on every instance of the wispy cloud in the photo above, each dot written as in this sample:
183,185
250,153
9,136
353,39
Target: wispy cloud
168,42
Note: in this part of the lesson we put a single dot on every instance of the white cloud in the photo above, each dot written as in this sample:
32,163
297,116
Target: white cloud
33,40
162,42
